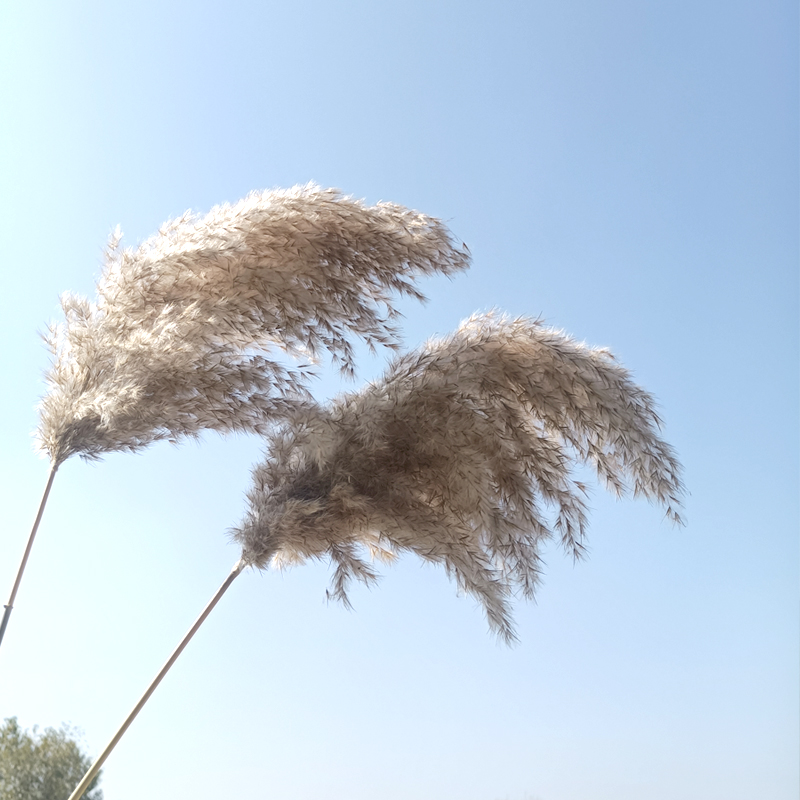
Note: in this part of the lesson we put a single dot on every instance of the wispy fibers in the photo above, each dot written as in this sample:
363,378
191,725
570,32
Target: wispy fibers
457,454
167,350
462,454
183,332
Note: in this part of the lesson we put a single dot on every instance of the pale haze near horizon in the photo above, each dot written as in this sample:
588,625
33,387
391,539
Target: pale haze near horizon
627,172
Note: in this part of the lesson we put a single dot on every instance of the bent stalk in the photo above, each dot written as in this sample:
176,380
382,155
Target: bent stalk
95,768
10,604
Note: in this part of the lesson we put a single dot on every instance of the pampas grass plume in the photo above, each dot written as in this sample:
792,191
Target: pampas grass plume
463,454
180,335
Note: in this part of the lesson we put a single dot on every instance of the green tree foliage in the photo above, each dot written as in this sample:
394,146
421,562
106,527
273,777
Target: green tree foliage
41,766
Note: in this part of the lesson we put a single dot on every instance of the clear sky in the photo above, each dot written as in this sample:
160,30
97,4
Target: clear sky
627,171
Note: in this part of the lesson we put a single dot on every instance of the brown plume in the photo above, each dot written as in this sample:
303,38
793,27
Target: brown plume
176,340
461,454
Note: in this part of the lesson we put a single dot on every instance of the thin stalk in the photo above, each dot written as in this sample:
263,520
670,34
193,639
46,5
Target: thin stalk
10,604
95,768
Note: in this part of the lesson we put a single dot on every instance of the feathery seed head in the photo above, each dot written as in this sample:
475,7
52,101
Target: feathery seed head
462,454
175,342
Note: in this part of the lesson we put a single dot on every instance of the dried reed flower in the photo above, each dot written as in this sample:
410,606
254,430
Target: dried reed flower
456,455
174,343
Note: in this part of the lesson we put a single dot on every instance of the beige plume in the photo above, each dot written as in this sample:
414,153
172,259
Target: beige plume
462,454
176,340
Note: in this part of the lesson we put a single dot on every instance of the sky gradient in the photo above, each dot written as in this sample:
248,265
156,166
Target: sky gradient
626,171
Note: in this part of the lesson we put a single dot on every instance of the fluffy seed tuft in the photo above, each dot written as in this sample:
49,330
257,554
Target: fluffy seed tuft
462,453
180,336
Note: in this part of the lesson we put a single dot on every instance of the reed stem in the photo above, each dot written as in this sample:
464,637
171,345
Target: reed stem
10,604
95,768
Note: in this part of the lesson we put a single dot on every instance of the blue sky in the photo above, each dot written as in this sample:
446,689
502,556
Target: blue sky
627,171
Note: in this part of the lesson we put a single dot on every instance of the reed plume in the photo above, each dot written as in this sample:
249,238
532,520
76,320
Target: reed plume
174,343
463,454
455,455
182,335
